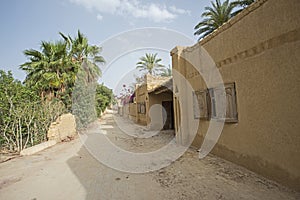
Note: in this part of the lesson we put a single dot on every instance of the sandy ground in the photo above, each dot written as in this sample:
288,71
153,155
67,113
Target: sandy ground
69,171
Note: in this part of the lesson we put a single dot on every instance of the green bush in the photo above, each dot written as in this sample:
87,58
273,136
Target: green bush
104,98
25,118
83,100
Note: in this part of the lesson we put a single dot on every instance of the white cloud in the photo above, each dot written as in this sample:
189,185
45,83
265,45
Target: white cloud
134,8
99,17
159,14
179,10
105,6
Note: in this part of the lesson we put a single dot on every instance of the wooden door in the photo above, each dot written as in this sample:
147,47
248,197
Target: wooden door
168,117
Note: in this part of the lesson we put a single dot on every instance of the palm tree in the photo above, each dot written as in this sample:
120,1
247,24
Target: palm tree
53,69
150,63
47,69
242,4
214,17
167,72
85,56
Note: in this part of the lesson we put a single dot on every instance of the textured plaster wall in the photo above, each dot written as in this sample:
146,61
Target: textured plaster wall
156,114
133,111
150,99
64,128
259,51
142,96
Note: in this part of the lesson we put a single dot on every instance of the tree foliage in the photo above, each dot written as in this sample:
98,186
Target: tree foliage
52,71
216,15
80,51
104,98
60,73
167,72
241,5
150,63
25,119
83,100
90,100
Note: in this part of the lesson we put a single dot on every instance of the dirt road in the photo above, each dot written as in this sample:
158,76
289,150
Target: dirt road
69,171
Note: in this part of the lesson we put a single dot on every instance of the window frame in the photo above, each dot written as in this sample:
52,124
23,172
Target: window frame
200,113
141,108
211,103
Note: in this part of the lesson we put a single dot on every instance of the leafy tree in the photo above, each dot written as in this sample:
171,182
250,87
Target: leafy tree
150,63
58,72
83,100
89,100
104,98
214,17
86,58
25,119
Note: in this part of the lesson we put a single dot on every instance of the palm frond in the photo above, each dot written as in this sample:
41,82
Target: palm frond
215,16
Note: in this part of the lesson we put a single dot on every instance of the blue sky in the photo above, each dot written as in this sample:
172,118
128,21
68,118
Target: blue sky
24,24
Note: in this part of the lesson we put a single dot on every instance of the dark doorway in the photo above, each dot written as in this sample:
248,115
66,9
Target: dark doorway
169,117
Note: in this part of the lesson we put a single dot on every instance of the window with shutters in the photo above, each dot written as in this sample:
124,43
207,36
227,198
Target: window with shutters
141,108
200,104
231,114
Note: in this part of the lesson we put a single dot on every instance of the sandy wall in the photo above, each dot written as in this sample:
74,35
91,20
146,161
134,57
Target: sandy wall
258,50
